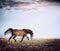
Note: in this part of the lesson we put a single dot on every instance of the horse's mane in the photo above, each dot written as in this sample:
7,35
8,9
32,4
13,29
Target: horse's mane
28,31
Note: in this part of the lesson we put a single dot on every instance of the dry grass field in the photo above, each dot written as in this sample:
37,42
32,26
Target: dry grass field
30,45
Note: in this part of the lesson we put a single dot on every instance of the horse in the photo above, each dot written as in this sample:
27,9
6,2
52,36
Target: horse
19,32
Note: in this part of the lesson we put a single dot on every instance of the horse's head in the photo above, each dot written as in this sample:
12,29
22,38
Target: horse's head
31,34
28,31
7,31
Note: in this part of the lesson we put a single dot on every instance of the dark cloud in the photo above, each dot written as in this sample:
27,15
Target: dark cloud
26,5
58,1
11,3
48,0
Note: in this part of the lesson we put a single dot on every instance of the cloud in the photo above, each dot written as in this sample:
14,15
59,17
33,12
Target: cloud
58,1
48,0
33,5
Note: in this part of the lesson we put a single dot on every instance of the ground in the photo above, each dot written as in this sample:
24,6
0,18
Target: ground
30,45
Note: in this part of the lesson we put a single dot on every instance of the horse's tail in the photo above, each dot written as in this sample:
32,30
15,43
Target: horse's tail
7,31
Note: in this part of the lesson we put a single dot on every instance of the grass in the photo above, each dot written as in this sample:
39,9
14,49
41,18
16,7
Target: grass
30,45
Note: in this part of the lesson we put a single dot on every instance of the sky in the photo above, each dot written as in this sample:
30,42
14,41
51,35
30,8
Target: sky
43,20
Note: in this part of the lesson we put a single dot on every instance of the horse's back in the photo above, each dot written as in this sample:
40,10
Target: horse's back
18,32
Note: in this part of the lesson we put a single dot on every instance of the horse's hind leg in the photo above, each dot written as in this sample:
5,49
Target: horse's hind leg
10,37
22,38
14,38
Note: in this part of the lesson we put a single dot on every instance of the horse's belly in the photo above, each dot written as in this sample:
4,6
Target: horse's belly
16,34
19,33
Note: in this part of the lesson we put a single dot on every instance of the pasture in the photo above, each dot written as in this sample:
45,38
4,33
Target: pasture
30,45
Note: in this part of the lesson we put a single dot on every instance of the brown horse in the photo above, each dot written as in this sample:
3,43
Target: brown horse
16,32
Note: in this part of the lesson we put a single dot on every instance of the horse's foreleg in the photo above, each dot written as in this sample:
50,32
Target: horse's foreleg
22,38
10,37
14,38
27,37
